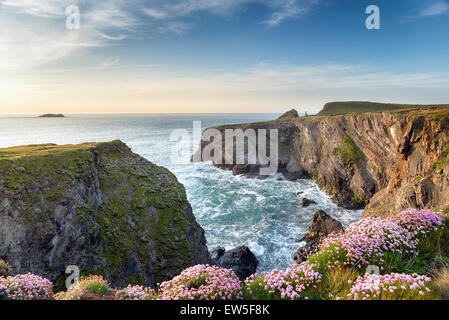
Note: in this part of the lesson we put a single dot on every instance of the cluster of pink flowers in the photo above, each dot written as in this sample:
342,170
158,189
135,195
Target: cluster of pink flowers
285,284
202,282
136,293
26,287
393,286
366,241
419,221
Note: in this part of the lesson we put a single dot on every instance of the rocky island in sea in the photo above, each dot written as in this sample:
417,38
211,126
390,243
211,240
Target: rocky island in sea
52,115
130,227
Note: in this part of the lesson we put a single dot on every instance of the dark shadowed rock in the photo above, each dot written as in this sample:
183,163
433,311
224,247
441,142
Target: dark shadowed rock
52,115
306,202
290,114
241,169
216,253
321,227
241,260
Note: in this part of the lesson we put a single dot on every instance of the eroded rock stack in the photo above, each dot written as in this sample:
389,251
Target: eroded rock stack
321,227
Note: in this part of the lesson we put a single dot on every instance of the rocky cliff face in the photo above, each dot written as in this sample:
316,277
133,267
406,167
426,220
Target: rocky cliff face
386,161
97,206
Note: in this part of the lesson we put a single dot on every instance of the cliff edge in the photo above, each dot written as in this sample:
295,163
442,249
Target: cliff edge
97,206
384,161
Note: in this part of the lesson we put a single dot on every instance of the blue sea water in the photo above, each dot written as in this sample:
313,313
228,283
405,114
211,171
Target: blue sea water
265,215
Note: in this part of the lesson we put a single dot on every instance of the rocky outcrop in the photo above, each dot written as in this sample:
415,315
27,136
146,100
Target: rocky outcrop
289,114
322,226
241,260
306,202
99,207
385,161
52,115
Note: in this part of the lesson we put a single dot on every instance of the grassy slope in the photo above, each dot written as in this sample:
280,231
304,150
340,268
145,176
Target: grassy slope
40,150
334,108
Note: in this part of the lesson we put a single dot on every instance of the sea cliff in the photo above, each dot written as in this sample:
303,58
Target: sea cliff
382,161
98,206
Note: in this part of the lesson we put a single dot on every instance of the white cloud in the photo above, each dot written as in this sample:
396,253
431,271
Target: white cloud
40,8
436,9
34,32
176,9
288,9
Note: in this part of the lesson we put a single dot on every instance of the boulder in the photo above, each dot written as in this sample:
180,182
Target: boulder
321,227
307,202
216,253
241,260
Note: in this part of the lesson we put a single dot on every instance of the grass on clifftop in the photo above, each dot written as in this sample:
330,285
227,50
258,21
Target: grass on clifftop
335,108
40,150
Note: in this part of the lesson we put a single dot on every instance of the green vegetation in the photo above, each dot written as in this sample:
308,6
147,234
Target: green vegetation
446,149
359,199
5,269
94,284
135,280
87,286
38,150
433,254
441,284
350,153
336,283
54,196
440,165
337,108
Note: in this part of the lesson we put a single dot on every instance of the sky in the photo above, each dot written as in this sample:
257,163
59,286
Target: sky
219,56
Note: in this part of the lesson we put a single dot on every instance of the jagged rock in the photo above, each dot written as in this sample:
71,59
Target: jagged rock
289,114
241,260
294,171
321,227
110,212
307,202
216,253
241,169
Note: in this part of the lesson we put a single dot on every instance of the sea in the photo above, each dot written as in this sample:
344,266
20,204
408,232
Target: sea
265,215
